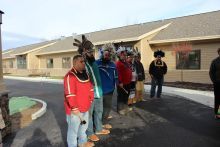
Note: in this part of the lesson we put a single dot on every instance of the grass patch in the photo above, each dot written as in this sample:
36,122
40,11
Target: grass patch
17,104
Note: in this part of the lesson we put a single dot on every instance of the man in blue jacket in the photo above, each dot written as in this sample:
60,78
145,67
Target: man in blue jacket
108,74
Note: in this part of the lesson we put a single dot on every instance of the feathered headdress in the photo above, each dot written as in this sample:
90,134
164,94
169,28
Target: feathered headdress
108,47
83,46
136,52
159,53
120,49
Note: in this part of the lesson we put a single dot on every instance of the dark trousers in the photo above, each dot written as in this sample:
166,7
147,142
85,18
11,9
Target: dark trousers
156,82
122,97
107,105
217,96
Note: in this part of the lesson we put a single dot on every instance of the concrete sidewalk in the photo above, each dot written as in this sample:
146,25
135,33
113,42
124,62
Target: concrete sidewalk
203,97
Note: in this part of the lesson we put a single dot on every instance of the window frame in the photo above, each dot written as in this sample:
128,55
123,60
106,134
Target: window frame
188,61
49,65
66,65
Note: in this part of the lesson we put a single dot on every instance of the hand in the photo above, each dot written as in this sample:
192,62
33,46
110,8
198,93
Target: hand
120,85
151,76
76,112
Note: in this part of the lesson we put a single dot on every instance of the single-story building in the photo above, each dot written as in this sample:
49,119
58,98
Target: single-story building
190,44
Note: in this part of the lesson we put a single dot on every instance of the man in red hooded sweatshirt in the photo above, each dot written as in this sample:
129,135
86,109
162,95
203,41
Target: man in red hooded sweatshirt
79,95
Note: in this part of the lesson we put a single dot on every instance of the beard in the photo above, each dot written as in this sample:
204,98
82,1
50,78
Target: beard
105,60
90,59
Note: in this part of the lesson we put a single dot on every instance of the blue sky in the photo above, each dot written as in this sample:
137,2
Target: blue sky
30,21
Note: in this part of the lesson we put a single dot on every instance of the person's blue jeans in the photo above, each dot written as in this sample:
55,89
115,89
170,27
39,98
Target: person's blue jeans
156,82
95,116
76,130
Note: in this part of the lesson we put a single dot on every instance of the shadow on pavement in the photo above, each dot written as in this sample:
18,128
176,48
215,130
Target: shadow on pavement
39,138
169,121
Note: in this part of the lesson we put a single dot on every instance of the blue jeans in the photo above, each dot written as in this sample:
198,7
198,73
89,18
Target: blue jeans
95,116
75,130
156,82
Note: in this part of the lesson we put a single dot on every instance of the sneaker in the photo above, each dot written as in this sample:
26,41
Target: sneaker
103,132
122,112
130,109
107,126
109,117
143,100
87,144
93,137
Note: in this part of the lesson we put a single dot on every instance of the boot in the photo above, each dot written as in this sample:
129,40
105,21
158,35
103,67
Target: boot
87,144
134,100
129,101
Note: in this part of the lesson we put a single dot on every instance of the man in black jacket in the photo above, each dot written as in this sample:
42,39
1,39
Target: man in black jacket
157,70
214,74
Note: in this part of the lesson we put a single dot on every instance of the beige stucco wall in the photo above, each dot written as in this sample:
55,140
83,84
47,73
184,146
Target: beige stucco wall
57,69
6,65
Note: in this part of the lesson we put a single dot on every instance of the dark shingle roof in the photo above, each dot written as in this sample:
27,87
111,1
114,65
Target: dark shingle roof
200,25
105,35
10,53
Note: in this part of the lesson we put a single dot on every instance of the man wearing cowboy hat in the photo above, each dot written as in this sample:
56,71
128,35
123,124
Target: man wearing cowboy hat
157,70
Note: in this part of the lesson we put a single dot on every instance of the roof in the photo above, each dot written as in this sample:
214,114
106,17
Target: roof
199,25
11,53
1,12
128,33
202,25
62,45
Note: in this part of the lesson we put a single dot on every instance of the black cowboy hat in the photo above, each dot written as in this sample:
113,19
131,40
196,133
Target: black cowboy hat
159,53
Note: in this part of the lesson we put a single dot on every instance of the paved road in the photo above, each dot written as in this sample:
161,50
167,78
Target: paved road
166,122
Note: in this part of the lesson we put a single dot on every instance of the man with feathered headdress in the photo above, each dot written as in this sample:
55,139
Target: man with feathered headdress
109,77
157,70
86,48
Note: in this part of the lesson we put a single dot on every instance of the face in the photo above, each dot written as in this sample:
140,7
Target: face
158,57
123,55
130,58
106,55
80,64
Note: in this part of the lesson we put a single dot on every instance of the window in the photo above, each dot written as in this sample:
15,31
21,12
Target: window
66,62
188,60
50,63
11,64
21,62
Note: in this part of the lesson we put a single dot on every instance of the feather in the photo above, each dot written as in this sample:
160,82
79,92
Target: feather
83,38
75,44
77,41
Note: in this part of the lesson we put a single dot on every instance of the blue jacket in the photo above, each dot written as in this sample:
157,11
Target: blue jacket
108,74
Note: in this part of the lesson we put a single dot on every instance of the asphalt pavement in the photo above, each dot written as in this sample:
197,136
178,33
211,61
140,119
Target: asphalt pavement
173,120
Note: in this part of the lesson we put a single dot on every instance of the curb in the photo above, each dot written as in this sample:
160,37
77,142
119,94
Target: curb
40,112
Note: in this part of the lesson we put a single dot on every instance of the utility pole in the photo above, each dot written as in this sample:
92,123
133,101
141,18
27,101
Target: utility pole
4,100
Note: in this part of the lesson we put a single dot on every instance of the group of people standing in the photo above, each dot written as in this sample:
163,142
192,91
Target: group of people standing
89,88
